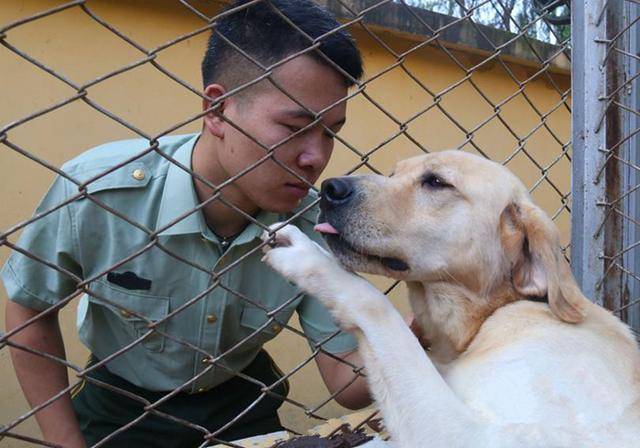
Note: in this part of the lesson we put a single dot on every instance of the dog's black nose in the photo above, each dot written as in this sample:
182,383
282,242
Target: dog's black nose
337,190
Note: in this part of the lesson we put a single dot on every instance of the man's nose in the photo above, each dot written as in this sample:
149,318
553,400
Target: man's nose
315,156
336,191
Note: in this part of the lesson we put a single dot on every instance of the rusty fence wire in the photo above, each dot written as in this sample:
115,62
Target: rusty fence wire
485,76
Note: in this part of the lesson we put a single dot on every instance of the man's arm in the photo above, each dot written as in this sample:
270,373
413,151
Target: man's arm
41,378
337,374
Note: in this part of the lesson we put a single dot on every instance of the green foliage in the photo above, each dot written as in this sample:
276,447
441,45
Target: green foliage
515,16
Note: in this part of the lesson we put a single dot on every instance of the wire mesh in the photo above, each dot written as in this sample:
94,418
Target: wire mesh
485,76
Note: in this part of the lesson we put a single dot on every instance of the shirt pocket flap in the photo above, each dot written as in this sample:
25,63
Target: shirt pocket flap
253,317
129,305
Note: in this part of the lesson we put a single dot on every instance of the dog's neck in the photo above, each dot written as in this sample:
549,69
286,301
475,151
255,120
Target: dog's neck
451,315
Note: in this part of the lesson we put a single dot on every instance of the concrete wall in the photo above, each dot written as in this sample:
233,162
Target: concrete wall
71,43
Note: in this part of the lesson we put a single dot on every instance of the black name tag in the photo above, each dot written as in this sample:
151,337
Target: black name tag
128,280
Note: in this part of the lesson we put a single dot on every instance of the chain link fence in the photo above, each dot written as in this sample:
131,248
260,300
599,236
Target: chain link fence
487,76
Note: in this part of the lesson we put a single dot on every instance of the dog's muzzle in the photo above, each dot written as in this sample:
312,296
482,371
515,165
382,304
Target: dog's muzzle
336,192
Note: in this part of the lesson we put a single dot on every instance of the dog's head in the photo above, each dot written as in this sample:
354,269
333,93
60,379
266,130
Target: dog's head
450,217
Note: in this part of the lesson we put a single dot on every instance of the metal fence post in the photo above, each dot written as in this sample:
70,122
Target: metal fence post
588,185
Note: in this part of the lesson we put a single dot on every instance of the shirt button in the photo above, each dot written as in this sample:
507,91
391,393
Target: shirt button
206,360
138,174
222,261
276,328
212,318
201,389
125,313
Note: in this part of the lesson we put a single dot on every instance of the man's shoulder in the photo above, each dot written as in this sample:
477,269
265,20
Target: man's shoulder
121,158
117,152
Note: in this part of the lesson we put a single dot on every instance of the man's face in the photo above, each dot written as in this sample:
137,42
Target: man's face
270,117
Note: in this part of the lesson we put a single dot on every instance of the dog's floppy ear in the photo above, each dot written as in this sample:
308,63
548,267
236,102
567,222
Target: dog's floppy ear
532,244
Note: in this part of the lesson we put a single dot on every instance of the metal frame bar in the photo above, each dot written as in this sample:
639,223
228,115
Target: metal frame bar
589,137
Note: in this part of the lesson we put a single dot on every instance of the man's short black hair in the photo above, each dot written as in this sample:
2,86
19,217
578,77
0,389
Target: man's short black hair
262,32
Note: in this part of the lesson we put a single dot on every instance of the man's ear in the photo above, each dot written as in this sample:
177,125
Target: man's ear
532,244
213,121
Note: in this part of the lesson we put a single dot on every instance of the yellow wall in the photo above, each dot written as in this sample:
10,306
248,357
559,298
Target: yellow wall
71,43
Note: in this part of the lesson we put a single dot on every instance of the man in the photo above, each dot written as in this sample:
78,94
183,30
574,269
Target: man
162,305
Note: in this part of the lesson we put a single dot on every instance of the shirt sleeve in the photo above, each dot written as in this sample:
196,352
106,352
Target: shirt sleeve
27,279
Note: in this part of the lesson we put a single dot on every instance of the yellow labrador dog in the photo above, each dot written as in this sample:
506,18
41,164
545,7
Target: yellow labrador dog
518,357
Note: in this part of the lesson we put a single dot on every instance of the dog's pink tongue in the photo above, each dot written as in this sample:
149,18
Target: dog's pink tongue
325,227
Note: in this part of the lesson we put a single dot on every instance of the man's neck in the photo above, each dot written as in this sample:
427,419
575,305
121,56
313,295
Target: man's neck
221,218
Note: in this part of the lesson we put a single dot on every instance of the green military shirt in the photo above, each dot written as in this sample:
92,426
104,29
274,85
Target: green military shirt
184,272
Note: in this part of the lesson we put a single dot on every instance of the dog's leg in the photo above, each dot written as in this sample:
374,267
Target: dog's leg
419,408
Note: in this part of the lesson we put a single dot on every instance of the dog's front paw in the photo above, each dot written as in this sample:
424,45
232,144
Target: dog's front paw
303,262
294,255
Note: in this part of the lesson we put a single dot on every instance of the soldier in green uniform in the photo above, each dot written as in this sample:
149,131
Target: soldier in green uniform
170,251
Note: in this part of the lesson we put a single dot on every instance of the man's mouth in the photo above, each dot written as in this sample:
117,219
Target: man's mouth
299,190
332,234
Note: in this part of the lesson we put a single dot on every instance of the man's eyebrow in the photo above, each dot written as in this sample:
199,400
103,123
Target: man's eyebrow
301,113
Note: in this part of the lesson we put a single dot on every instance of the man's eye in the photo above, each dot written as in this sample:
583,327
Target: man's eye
434,181
292,128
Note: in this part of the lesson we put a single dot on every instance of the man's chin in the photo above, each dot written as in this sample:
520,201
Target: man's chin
283,206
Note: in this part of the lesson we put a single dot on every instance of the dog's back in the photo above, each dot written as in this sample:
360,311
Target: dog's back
527,367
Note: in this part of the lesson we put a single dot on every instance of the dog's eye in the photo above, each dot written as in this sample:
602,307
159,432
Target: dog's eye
433,181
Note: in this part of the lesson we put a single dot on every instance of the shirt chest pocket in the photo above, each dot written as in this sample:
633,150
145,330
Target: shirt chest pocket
131,313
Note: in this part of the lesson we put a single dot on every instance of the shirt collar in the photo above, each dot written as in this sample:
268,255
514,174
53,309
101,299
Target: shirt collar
253,231
179,198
